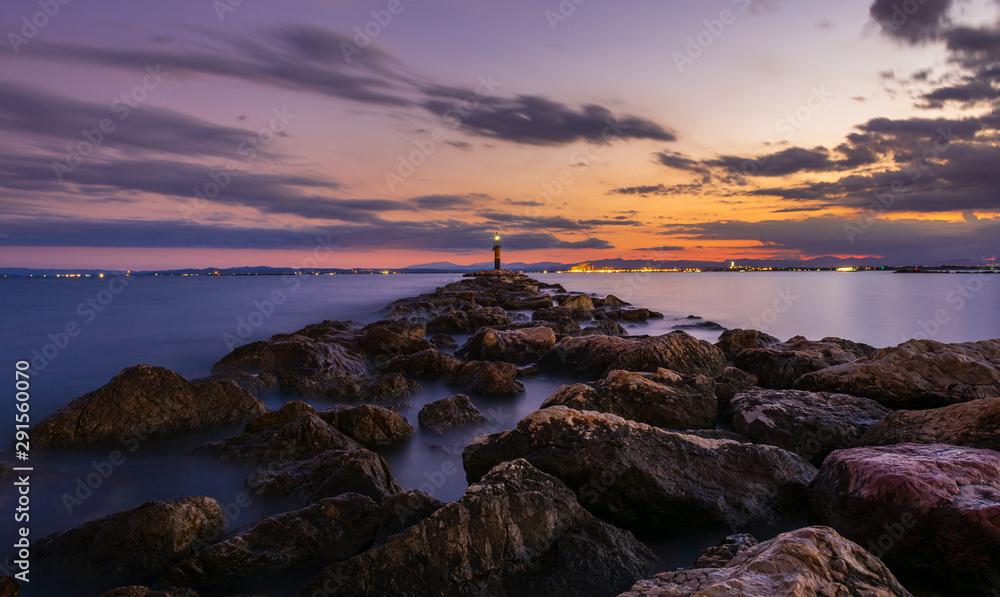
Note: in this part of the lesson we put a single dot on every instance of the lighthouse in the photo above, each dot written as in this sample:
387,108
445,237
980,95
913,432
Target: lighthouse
496,251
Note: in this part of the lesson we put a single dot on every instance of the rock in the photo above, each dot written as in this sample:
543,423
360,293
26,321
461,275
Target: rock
372,426
664,399
289,411
332,530
701,325
468,321
810,424
974,424
560,312
729,384
718,434
445,341
144,401
616,314
779,365
610,301
242,359
578,301
292,440
449,413
379,344
642,477
139,591
305,366
605,327
515,346
677,351
389,387
329,474
253,383
810,562
916,374
731,342
426,364
517,532
403,510
131,546
927,510
487,378
9,586
723,553
588,357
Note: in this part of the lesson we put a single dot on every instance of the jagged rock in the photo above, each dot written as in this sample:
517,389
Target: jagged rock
131,546
605,327
426,364
309,367
808,562
329,474
700,325
448,413
378,344
731,342
139,591
487,378
610,301
144,401
718,434
588,356
916,374
517,532
372,426
253,383
403,510
389,387
619,314
578,301
515,346
331,530
926,510
445,341
729,384
285,440
468,321
643,477
810,424
242,359
677,351
974,424
664,399
719,555
779,365
560,312
289,411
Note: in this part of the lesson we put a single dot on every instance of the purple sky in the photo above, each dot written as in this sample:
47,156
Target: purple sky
725,129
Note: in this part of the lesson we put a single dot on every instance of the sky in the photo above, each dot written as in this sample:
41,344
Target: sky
387,133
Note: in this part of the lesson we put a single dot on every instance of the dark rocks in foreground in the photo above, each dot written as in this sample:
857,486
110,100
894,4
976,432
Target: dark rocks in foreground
426,364
514,346
643,477
449,413
807,562
973,424
517,532
372,426
779,365
141,402
591,357
486,378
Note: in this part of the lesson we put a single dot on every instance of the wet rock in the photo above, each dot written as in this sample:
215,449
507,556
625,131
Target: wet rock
468,321
731,342
808,562
779,365
700,325
242,359
144,401
811,424
515,346
517,532
443,341
916,374
426,364
619,314
403,510
378,344
604,328
578,301
588,357
677,351
131,546
372,426
927,510
643,477
487,378
719,555
610,301
449,413
729,384
329,474
305,366
974,424
664,399
329,531
291,440
389,387
560,312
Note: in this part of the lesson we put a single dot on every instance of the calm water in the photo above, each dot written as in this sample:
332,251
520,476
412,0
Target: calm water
183,323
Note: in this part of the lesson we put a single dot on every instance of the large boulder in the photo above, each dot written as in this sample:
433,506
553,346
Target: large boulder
619,314
388,387
811,424
588,356
677,351
403,510
643,477
521,346
305,366
329,474
466,321
379,343
486,378
729,384
577,301
604,327
372,426
131,546
721,554
779,365
559,312
140,402
926,510
663,399
517,532
426,364
284,441
808,562
731,342
974,424
449,413
916,374
331,530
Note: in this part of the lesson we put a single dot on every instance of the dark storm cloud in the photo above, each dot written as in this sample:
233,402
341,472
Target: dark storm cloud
912,21
441,202
678,161
782,163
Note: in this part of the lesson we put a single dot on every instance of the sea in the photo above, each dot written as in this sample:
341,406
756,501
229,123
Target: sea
77,333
